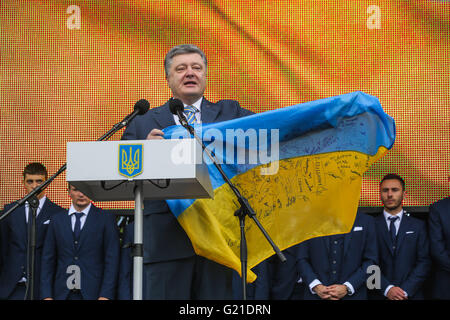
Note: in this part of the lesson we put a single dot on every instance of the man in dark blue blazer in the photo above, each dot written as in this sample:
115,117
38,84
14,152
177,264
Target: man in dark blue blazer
14,238
171,266
403,245
439,231
80,258
335,267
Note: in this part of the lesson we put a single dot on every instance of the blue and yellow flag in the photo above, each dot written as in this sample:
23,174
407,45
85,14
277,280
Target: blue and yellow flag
300,168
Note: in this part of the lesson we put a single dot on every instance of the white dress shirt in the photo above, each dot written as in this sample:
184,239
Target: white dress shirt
82,219
396,223
27,207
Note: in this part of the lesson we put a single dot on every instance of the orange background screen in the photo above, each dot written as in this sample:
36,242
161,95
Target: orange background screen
70,70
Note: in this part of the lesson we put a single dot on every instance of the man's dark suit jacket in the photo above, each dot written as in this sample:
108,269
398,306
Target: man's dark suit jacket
359,252
407,263
439,233
164,239
14,241
97,255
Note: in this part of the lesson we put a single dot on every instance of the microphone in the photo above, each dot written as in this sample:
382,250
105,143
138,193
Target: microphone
176,106
141,106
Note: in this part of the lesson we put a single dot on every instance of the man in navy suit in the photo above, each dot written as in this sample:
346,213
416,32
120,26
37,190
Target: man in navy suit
439,230
335,267
171,267
14,237
80,258
403,245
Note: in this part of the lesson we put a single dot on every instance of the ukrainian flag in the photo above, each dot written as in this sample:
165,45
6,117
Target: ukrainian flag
304,183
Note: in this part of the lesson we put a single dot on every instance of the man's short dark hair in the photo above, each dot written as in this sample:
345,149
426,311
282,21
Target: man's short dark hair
393,176
182,49
35,168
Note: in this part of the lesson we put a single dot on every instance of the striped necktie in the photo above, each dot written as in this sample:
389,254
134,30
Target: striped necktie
190,114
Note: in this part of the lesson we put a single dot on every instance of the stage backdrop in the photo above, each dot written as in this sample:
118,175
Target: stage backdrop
71,69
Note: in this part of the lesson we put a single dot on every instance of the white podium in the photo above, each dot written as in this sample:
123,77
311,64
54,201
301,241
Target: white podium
180,160
125,170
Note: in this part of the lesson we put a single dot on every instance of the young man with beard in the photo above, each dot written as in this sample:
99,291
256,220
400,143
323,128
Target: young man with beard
403,245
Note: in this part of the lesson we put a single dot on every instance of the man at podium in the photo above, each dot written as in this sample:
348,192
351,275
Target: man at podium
172,270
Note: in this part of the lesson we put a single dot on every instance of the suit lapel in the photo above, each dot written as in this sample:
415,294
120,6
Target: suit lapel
209,111
163,116
91,220
67,227
404,223
41,218
21,224
347,240
326,243
385,235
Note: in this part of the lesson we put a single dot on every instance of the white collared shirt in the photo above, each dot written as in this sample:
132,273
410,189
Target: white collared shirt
197,104
396,223
83,218
27,207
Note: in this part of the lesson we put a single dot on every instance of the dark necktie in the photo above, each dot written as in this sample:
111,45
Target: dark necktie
190,114
392,229
77,228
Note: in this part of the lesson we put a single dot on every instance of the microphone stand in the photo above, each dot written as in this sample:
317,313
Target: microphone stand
32,196
31,249
244,210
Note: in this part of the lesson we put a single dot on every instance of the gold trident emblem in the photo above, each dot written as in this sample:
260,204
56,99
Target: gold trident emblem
130,162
